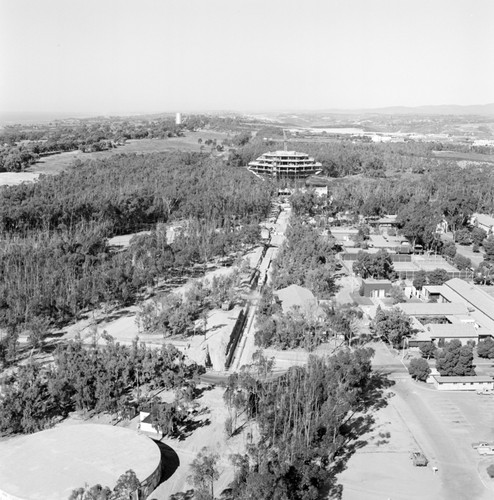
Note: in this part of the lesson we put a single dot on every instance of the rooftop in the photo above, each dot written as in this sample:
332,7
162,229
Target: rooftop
433,309
49,464
484,219
475,296
464,380
295,296
456,330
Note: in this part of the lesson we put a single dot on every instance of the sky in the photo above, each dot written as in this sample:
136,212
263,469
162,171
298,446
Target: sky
152,56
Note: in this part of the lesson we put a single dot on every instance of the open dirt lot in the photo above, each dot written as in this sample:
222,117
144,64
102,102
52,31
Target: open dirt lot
14,178
212,436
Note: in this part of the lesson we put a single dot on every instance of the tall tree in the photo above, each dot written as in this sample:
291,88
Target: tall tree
204,473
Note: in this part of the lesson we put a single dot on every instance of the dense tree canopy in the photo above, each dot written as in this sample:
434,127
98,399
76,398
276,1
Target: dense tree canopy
307,259
88,378
378,265
303,419
393,326
455,359
55,260
419,369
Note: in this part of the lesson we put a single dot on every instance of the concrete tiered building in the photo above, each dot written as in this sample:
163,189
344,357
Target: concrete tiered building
285,164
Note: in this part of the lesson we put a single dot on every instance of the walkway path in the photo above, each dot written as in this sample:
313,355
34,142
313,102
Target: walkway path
247,347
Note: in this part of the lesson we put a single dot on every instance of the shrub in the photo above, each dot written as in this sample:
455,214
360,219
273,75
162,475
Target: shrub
419,369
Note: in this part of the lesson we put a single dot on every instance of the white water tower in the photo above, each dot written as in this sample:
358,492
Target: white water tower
178,118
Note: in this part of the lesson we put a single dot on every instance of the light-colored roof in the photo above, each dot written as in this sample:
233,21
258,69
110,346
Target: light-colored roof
475,296
457,330
460,318
48,465
433,309
296,296
484,219
433,288
372,281
387,219
465,379
480,304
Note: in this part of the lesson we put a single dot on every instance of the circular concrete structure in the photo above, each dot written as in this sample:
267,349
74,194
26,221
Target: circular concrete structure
285,164
50,464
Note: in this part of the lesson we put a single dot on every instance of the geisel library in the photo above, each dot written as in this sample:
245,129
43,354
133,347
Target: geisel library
285,165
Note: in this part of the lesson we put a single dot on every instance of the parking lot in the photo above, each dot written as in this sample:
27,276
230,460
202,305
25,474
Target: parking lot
440,424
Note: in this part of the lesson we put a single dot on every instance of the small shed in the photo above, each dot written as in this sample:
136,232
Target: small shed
376,288
465,383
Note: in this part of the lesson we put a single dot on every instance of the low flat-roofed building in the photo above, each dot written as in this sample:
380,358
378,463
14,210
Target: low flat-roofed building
421,334
479,303
386,221
465,383
433,292
464,332
376,288
433,309
484,221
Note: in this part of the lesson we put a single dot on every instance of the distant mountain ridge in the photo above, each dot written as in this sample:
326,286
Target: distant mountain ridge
441,109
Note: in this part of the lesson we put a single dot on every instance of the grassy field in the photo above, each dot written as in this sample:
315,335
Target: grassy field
458,156
58,163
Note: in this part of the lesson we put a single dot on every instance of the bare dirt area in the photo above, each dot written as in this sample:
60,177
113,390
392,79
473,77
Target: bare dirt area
212,436
14,178
123,326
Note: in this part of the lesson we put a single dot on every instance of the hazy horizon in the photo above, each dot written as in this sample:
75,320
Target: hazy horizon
27,116
127,57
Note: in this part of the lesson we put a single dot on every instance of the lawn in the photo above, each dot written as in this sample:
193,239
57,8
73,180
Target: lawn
58,163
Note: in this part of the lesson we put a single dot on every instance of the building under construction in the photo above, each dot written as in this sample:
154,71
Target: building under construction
285,164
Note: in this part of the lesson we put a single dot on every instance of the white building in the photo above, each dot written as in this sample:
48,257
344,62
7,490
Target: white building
466,383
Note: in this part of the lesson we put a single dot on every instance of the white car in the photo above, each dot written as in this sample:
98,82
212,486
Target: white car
482,444
485,450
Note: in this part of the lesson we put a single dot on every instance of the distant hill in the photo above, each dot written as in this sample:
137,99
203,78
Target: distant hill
444,109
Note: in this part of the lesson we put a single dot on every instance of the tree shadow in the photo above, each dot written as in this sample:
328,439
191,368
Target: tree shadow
170,461
216,327
114,316
374,397
199,391
189,427
352,431
182,495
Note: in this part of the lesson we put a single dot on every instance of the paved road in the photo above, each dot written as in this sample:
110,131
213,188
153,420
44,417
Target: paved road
445,444
440,425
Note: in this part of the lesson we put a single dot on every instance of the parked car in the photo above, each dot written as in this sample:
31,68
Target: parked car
485,392
418,459
485,450
482,444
